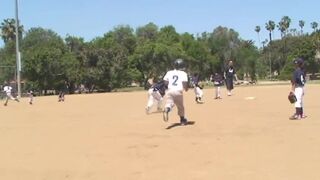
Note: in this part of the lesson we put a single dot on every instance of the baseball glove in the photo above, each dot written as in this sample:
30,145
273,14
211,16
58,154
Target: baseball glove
292,98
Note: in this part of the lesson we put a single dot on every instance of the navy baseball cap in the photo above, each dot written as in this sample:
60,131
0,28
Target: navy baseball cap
298,61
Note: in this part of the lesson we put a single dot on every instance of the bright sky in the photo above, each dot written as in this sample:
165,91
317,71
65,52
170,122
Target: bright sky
93,18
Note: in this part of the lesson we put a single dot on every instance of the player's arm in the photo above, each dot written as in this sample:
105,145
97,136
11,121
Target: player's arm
236,77
293,84
185,85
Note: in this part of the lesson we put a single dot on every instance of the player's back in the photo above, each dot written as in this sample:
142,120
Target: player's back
175,79
7,89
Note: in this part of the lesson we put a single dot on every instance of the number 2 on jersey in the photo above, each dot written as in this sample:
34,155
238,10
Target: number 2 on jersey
175,79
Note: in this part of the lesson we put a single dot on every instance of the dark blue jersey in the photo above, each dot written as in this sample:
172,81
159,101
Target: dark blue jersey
161,87
217,78
298,78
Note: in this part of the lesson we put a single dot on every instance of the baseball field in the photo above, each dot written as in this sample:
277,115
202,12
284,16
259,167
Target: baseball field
108,136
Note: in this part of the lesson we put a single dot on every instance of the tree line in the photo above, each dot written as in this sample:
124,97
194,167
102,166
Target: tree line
124,55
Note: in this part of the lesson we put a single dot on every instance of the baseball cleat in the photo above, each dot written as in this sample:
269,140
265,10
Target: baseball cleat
147,110
183,121
295,117
303,116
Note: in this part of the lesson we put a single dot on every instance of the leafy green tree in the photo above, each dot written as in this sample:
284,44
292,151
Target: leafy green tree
148,32
224,43
198,55
121,35
44,53
112,58
168,35
7,62
248,56
78,48
153,59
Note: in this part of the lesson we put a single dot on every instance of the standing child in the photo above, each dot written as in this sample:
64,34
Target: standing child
64,88
30,95
197,88
156,93
217,82
298,81
177,81
199,93
7,89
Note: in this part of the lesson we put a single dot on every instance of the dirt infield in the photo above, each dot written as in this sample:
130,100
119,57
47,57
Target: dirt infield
109,137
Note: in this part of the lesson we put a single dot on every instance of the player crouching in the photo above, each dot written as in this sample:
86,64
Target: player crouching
156,93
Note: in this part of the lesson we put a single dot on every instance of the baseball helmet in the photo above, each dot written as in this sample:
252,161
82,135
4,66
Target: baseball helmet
179,64
298,61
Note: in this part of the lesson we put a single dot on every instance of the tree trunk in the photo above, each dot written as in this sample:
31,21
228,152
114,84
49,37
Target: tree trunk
270,36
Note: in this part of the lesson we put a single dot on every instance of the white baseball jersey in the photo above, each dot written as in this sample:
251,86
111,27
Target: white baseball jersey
175,79
7,89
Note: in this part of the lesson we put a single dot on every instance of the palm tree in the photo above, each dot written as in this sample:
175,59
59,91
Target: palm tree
301,24
314,26
8,31
281,28
284,25
258,29
270,25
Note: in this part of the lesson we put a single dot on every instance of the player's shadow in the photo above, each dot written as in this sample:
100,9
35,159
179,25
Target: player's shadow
156,112
174,125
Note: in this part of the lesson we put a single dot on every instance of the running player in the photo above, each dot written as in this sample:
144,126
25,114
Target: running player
156,93
298,81
177,81
7,89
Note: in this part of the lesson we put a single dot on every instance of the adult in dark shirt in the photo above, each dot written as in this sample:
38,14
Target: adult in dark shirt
297,87
230,73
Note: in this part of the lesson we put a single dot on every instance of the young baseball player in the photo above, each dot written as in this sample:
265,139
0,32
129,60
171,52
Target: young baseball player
199,93
64,88
217,82
298,81
30,95
7,89
197,88
156,93
177,81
